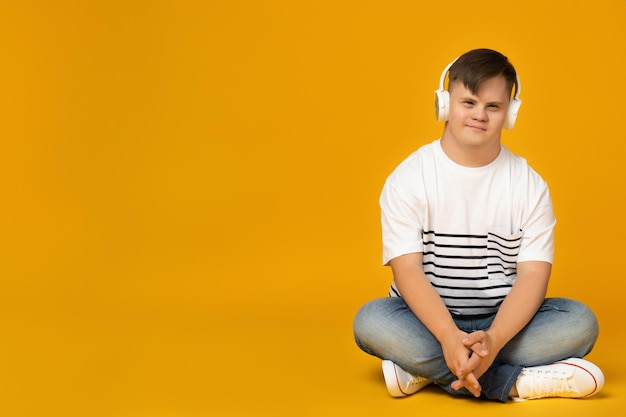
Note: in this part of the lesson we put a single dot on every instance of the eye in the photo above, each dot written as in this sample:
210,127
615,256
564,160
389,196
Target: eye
468,103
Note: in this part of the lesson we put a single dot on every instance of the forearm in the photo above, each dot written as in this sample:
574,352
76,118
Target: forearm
420,295
521,303
427,305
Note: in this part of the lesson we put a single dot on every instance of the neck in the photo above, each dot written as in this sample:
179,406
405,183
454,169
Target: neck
470,155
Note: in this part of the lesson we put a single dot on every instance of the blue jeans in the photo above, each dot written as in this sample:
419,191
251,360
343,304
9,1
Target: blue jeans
560,329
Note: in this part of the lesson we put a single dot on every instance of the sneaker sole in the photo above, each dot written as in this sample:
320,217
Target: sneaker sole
391,379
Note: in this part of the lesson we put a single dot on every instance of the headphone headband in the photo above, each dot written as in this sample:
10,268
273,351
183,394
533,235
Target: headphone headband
518,85
445,72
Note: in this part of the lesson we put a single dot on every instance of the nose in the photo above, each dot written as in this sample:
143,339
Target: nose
479,113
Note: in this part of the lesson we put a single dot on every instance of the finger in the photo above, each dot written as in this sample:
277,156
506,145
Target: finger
477,342
480,348
469,366
474,388
478,336
459,361
458,384
472,384
475,391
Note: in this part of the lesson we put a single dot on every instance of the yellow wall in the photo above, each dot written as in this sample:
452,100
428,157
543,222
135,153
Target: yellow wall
171,166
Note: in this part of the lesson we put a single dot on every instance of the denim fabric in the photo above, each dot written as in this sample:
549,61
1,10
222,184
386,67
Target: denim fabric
561,329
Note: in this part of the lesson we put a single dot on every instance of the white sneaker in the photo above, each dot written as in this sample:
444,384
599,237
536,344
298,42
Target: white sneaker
570,378
399,382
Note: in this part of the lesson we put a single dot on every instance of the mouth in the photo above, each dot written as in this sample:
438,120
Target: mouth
477,128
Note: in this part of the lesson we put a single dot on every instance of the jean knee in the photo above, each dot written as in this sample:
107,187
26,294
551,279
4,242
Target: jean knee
581,318
364,325
570,327
587,325
386,326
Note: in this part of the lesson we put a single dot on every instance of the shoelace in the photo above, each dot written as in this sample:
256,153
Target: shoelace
548,383
417,380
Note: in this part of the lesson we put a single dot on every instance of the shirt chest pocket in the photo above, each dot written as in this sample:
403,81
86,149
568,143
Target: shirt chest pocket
502,251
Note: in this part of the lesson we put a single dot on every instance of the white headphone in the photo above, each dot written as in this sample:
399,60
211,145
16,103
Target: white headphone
442,101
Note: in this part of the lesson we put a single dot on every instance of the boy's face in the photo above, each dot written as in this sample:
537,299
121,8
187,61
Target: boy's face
476,120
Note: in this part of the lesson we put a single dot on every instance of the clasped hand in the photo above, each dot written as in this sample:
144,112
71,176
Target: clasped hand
469,356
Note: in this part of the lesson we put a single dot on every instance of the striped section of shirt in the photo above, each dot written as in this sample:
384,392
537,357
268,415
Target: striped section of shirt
472,273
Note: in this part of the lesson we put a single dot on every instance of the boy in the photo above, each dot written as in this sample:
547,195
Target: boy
468,233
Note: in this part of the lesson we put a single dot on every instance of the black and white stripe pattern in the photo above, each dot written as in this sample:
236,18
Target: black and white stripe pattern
472,273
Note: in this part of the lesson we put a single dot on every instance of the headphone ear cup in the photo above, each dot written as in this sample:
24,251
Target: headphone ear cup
511,116
442,105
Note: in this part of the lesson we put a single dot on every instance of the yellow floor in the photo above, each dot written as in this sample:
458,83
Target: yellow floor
281,360
311,367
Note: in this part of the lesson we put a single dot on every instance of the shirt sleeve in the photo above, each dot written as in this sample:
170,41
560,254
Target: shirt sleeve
538,241
402,213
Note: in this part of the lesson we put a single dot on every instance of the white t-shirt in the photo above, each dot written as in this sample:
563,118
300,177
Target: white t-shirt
473,225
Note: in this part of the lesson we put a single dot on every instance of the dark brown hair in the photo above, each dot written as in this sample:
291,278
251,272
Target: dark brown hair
478,65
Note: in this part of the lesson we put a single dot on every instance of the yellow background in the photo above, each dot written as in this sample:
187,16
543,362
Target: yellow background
188,193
